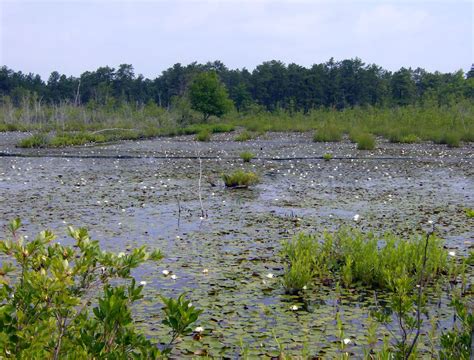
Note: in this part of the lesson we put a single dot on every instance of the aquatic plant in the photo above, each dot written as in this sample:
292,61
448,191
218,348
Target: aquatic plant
244,136
34,141
469,213
327,156
355,257
203,135
246,156
328,133
365,141
240,179
47,300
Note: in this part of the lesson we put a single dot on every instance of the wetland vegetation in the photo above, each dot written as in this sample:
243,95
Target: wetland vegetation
353,241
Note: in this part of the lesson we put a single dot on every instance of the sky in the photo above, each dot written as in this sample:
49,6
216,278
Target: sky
76,36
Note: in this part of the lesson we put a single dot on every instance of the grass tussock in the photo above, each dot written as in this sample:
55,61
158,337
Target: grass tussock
244,136
203,135
352,257
246,156
365,141
240,179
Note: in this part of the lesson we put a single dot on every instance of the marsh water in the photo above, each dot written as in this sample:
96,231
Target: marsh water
148,192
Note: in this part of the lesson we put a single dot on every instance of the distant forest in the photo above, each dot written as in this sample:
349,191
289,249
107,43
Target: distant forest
271,85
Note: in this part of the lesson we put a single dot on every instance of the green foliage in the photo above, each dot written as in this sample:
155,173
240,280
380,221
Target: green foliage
246,156
400,137
355,257
209,96
34,141
240,179
469,213
244,136
451,139
327,156
365,141
456,343
203,135
180,314
300,268
328,133
48,291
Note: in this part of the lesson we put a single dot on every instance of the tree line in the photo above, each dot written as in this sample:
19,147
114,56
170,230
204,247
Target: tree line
272,85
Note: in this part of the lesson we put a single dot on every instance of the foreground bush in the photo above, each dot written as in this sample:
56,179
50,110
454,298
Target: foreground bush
49,308
246,156
240,179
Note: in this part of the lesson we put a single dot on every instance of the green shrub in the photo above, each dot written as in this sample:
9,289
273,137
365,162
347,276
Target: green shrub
364,258
328,134
451,139
240,179
244,136
50,309
469,213
327,156
221,128
34,141
246,156
365,141
203,135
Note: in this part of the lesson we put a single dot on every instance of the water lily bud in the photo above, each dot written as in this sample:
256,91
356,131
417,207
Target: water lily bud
165,272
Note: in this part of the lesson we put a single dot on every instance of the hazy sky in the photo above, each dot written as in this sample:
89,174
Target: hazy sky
74,36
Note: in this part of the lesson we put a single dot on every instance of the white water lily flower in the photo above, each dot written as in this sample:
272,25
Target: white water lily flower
356,217
270,275
174,277
294,308
121,254
346,341
305,287
199,329
165,272
190,304
143,283
430,222
452,253
205,271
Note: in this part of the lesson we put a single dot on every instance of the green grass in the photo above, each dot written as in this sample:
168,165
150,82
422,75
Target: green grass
327,156
244,136
354,257
328,133
203,135
452,139
34,141
246,156
365,141
469,213
240,178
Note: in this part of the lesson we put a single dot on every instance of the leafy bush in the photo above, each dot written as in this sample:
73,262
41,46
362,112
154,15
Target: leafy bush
365,141
203,135
246,156
47,307
34,141
240,179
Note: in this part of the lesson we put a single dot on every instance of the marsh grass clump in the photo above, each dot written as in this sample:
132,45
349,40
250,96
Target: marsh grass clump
72,139
327,156
240,179
246,156
452,139
203,135
34,141
244,136
403,137
365,141
328,133
353,257
469,213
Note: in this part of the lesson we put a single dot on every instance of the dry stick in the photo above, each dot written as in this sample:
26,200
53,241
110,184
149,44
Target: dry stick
199,187
420,293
